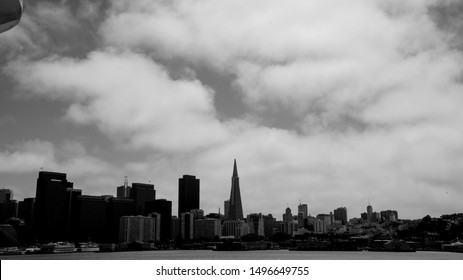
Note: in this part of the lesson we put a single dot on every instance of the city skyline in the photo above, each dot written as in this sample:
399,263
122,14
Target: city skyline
324,102
149,194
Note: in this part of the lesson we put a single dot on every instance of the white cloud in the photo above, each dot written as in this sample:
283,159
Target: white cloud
129,97
374,85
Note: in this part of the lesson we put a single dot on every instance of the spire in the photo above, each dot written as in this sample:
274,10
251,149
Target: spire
235,170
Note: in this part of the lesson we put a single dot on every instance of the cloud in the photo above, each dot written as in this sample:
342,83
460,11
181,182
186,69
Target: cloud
351,55
33,155
373,88
129,97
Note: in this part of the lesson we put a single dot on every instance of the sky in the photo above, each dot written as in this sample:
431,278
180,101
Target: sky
331,103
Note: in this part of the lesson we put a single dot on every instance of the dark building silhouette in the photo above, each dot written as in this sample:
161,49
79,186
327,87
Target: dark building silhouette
235,209
6,195
8,209
369,213
340,214
142,193
226,207
52,209
269,221
92,218
188,194
125,190
26,210
164,208
175,227
187,226
117,208
73,219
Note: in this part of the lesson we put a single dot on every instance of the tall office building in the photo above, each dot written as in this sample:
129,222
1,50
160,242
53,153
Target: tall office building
187,226
26,210
6,195
142,193
288,216
340,214
92,222
124,191
235,209
164,208
302,208
369,213
269,221
117,208
188,194
52,210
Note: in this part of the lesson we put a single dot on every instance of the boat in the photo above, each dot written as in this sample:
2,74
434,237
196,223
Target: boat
88,247
456,246
59,247
32,250
108,247
10,251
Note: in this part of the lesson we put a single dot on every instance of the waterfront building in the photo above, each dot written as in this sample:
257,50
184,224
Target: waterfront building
188,194
137,228
235,208
92,222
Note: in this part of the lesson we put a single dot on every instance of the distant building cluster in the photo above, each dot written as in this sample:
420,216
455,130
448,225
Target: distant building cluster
59,212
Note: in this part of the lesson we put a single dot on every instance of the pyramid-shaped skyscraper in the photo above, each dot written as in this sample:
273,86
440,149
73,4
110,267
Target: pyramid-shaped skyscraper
235,209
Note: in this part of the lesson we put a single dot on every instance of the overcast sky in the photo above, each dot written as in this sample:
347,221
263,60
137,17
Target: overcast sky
328,102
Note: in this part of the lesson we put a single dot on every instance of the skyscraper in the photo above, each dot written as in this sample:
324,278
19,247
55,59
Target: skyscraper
302,208
188,194
164,208
235,209
142,193
369,213
124,191
52,210
340,214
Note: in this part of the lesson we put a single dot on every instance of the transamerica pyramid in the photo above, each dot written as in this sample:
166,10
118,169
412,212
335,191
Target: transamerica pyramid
235,210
